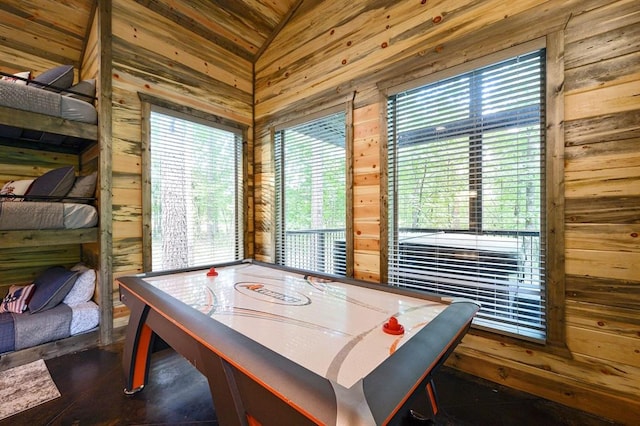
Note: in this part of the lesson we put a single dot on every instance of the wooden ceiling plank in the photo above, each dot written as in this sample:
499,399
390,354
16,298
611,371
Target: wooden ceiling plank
188,17
58,29
285,19
273,11
240,15
159,34
68,17
14,60
21,33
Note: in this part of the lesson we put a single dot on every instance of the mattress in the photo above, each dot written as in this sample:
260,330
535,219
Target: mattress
21,331
76,110
46,215
77,216
33,99
84,317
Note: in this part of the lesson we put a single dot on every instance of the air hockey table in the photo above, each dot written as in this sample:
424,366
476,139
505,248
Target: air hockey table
282,346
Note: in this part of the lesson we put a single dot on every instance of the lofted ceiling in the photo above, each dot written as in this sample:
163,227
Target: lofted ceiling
55,31
244,27
43,32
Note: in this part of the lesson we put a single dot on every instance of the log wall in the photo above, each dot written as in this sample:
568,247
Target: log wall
347,52
160,58
344,49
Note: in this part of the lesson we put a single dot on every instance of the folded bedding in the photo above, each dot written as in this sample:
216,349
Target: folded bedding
35,329
21,331
55,306
77,216
35,99
46,215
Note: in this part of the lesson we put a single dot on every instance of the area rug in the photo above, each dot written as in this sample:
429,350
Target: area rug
24,387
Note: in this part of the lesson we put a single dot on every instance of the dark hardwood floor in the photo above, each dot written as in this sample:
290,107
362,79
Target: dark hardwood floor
92,394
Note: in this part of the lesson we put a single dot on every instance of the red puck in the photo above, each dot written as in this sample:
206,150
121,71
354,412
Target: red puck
212,272
393,327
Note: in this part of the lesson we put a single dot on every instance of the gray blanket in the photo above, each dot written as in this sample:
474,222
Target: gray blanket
7,333
31,215
35,329
30,98
34,99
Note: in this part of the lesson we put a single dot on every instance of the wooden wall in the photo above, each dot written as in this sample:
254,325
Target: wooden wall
158,57
337,51
334,51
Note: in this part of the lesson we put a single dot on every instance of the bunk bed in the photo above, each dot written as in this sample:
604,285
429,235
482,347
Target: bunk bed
46,113
59,306
58,208
55,200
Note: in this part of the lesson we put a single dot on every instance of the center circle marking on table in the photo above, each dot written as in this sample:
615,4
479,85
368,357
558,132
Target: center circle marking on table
272,294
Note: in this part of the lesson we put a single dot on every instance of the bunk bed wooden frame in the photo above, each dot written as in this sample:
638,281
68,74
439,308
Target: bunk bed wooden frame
84,135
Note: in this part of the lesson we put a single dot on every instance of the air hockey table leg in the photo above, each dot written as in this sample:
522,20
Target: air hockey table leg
418,412
224,391
137,349
432,397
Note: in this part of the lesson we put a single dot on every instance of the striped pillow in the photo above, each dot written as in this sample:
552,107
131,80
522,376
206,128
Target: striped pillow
17,298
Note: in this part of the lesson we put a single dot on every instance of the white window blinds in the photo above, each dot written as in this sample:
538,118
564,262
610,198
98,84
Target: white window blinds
466,170
310,200
196,192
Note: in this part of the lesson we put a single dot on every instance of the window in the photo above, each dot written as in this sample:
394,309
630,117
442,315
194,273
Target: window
311,195
196,191
466,178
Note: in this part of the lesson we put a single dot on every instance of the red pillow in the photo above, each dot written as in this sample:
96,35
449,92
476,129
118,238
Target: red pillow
17,299
18,78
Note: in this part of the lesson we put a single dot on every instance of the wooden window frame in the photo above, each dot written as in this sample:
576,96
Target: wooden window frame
553,172
149,103
310,116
